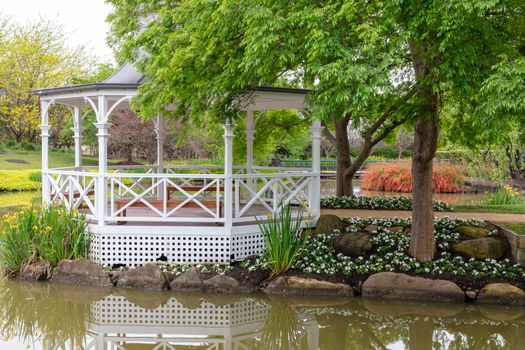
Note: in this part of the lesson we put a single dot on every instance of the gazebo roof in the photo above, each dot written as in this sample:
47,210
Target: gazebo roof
126,80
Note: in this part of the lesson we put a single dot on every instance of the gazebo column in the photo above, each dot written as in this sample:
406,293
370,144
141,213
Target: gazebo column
159,132
315,187
102,125
77,135
228,173
250,130
44,136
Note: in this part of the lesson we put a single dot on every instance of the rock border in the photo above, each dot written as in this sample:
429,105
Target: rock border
385,285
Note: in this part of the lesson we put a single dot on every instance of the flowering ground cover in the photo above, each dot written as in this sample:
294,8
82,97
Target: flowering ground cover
377,203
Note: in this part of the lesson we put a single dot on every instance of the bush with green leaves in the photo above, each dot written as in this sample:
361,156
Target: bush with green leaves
378,203
317,255
283,238
50,234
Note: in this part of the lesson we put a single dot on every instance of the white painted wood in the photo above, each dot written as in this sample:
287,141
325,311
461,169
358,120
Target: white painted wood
315,187
44,136
102,125
77,135
228,173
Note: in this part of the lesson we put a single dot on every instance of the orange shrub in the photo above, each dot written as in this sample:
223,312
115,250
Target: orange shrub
397,177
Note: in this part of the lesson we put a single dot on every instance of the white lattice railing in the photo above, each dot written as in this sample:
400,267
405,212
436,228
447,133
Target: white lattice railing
259,194
75,189
165,197
180,194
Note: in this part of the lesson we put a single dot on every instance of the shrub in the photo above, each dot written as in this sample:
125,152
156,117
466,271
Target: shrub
50,234
378,203
282,239
397,177
505,196
18,180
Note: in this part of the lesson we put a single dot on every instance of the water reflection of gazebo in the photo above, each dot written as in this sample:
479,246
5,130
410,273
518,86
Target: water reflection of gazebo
189,214
216,323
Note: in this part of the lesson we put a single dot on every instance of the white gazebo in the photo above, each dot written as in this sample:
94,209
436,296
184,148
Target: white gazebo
182,214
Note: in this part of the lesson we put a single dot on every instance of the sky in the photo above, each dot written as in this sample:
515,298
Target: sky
83,20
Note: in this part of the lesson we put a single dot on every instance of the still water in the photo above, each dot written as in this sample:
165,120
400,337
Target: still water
41,316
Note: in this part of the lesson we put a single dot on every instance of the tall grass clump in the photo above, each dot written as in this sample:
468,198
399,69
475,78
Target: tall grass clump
397,177
283,238
50,234
505,196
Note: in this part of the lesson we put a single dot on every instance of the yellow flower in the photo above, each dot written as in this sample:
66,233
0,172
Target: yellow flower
48,228
269,215
35,228
309,212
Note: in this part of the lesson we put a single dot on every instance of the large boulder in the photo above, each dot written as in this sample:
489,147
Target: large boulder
37,271
473,231
81,272
328,223
353,244
501,293
148,277
189,281
223,284
480,248
307,286
392,285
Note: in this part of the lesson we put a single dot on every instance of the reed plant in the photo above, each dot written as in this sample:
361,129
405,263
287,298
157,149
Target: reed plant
505,196
51,234
284,237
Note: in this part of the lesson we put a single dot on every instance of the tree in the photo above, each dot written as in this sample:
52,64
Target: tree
452,46
226,47
33,55
372,63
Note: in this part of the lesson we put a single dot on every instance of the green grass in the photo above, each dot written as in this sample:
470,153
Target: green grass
516,227
498,209
33,159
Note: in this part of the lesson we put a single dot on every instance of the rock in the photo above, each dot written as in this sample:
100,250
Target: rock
473,232
501,293
370,228
307,286
400,286
471,294
499,313
223,284
189,281
328,223
396,229
37,271
480,248
148,277
397,308
81,272
353,244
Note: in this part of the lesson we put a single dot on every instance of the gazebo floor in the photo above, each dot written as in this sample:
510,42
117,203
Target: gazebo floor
190,213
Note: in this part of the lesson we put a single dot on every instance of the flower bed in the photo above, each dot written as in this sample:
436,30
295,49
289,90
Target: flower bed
378,203
397,177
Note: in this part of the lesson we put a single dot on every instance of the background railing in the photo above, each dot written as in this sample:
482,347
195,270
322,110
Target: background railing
141,193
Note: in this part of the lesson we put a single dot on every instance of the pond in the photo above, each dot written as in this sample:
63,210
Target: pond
328,187
42,316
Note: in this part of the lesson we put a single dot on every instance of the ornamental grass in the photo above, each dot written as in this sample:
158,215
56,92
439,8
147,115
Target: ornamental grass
397,177
50,234
507,195
283,238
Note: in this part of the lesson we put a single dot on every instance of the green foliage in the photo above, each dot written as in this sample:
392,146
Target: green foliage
487,163
505,196
283,238
49,234
390,253
19,180
378,203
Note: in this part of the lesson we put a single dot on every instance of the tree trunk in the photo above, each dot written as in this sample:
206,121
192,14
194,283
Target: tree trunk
422,242
343,187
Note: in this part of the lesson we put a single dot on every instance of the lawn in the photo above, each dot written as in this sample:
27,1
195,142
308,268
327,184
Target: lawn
516,227
19,159
483,208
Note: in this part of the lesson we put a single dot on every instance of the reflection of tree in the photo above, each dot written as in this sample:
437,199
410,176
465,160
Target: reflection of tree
35,313
283,330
